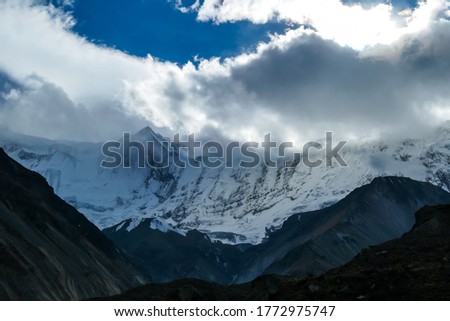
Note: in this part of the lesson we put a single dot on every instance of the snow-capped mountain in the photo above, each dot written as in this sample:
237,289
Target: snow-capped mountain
308,243
234,205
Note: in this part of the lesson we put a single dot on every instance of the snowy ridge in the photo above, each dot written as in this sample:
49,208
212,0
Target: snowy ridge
232,205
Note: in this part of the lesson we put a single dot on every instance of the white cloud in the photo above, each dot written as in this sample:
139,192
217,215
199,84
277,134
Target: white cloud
90,76
297,86
348,24
44,109
45,46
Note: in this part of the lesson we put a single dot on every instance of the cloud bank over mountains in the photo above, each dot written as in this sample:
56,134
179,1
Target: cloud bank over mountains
361,71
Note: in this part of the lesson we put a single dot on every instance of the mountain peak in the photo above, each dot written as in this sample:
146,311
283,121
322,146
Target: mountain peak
390,180
148,134
146,131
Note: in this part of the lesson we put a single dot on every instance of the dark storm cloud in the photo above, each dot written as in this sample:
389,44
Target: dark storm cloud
315,82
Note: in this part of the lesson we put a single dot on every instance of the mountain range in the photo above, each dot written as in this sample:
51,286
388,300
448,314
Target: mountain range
308,243
233,205
412,267
320,221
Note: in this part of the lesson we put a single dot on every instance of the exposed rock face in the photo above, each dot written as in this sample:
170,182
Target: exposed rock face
307,244
48,250
413,267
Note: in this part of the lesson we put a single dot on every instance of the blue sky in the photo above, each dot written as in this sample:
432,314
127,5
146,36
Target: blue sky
155,27
142,27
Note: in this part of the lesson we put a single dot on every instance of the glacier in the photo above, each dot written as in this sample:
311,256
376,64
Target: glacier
231,205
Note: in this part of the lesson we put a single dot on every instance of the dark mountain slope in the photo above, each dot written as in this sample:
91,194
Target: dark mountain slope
307,244
312,243
48,250
170,256
413,267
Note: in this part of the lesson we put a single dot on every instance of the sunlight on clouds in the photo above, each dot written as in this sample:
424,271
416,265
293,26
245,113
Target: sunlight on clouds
440,113
297,85
425,14
349,25
357,27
